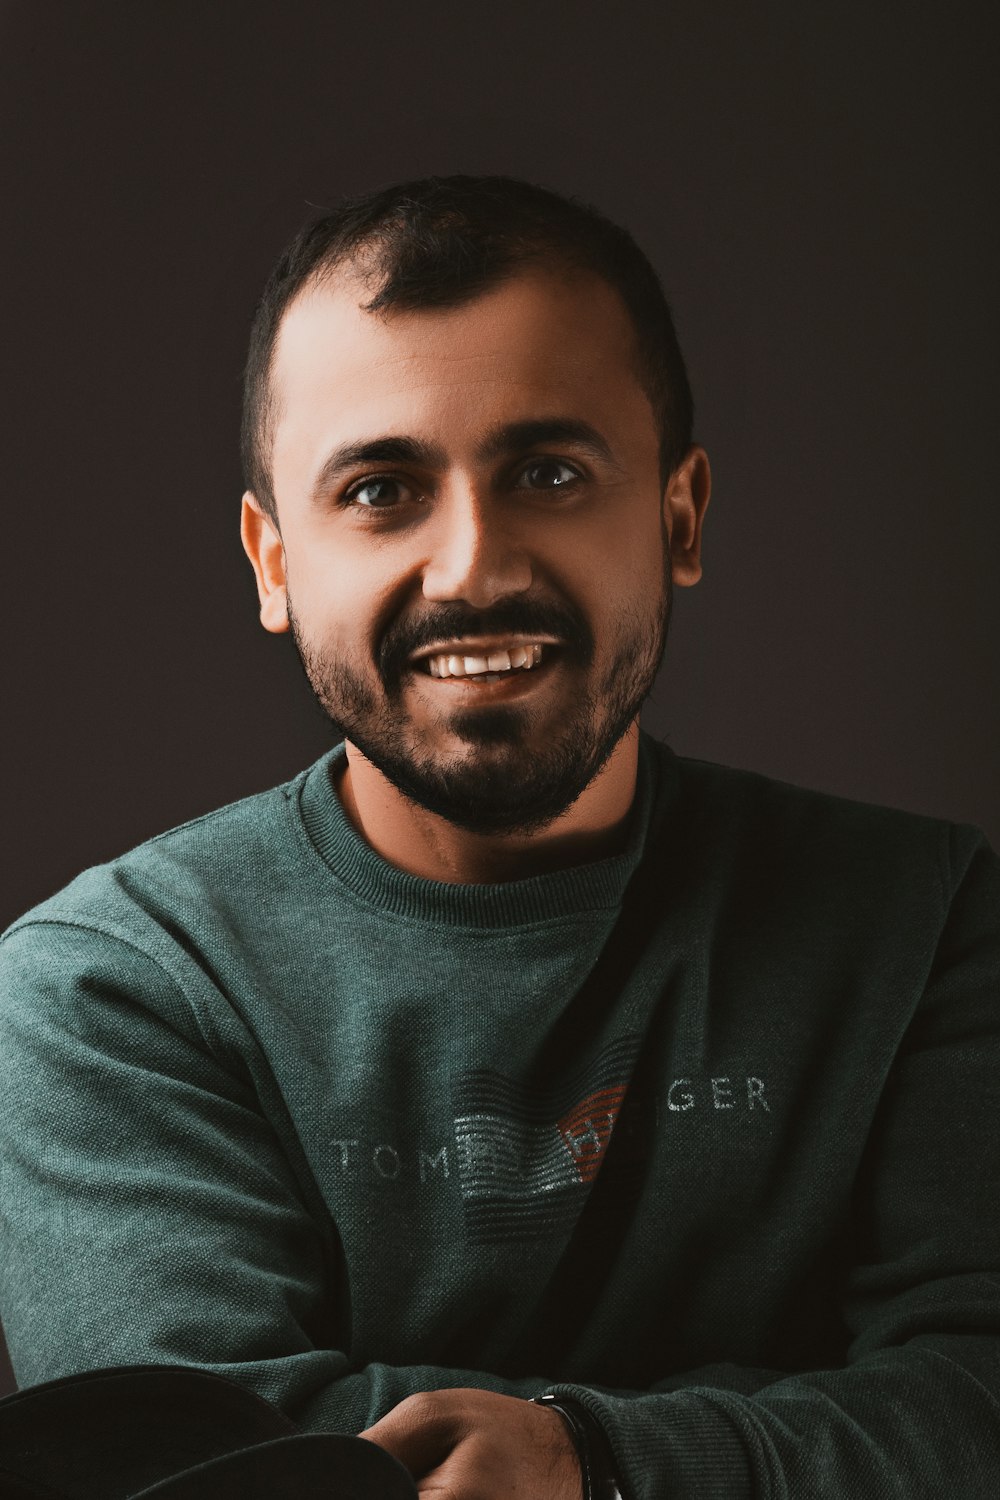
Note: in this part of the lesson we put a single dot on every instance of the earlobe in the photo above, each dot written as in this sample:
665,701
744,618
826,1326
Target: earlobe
274,612
684,503
263,546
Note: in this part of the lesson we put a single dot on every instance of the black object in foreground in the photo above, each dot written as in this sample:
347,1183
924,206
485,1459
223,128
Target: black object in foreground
171,1432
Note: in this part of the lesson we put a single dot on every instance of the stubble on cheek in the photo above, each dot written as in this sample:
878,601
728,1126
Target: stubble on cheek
340,691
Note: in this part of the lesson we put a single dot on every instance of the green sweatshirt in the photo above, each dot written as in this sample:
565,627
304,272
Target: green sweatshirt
274,1107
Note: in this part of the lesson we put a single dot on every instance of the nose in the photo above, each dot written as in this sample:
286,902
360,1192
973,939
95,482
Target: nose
475,550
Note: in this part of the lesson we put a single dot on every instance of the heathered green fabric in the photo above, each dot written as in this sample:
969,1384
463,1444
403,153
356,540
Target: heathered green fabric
272,1106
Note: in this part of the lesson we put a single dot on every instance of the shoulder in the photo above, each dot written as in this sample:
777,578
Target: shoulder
144,897
781,836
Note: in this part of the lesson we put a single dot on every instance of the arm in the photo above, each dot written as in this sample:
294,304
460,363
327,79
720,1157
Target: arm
149,1211
915,1412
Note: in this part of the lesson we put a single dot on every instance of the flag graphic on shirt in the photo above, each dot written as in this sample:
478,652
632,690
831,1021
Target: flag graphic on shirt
527,1157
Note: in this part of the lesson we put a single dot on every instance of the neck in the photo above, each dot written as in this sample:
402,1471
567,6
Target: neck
424,844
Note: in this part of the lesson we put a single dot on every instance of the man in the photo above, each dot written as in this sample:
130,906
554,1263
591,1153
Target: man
503,1053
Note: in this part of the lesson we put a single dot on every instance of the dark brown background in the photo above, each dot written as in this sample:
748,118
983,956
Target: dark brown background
816,187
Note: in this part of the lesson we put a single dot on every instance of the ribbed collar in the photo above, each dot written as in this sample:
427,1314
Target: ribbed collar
598,885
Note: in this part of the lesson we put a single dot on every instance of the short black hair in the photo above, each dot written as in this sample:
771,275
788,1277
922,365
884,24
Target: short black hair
439,242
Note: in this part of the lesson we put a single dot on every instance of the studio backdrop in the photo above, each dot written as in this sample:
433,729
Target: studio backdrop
815,186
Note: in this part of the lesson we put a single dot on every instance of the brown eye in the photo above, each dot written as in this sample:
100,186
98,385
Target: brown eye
548,466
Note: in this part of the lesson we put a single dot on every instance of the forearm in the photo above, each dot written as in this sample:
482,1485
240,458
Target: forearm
356,1399
359,1398
919,1421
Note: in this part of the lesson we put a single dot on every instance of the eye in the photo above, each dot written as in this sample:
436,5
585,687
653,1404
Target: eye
372,482
550,464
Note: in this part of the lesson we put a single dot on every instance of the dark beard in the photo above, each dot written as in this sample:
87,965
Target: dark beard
494,794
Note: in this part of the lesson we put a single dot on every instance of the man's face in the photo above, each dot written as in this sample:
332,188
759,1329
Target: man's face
536,538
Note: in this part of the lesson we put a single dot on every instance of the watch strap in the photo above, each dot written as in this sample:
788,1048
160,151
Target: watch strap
597,1465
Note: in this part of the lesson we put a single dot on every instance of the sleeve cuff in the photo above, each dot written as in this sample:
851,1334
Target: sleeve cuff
666,1444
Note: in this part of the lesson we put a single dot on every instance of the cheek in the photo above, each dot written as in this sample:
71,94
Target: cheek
629,569
341,608
323,585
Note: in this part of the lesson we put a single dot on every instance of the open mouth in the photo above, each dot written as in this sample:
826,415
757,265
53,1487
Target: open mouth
518,677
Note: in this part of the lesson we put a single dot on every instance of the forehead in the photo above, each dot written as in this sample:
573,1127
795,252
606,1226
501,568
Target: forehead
543,333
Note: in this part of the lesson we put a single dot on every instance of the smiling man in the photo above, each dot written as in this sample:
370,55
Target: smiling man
564,1116
473,547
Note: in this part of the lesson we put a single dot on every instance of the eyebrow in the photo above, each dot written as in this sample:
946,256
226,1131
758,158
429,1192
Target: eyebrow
511,437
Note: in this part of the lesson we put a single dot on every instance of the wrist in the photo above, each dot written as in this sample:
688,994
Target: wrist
597,1465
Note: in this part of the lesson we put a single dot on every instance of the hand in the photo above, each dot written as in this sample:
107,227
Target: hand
476,1445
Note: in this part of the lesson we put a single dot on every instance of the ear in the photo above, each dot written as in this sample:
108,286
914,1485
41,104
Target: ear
262,544
685,501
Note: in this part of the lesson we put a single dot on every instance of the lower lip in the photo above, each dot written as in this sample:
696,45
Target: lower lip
511,685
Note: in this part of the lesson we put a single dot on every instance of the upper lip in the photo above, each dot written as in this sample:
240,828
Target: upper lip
483,647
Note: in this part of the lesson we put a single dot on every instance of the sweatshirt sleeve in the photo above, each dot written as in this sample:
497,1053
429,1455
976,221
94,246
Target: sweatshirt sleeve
915,1411
149,1211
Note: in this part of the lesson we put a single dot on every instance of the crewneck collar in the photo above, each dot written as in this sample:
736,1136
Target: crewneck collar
597,885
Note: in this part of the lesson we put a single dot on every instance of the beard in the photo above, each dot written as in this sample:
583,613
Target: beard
507,783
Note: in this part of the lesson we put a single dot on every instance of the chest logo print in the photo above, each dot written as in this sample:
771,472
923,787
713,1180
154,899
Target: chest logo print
586,1130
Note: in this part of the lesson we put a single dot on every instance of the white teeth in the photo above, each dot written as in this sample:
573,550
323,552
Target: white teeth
496,661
